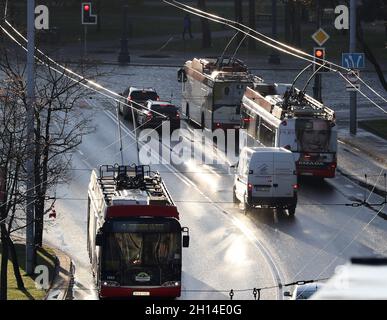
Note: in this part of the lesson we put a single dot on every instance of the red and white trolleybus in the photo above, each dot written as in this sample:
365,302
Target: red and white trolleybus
134,235
277,115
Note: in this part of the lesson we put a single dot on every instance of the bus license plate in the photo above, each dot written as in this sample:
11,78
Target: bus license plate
141,293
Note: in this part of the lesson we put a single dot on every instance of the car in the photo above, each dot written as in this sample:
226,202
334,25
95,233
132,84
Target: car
304,291
135,97
155,112
266,177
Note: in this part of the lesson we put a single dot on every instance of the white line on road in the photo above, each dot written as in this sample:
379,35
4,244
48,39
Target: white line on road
275,272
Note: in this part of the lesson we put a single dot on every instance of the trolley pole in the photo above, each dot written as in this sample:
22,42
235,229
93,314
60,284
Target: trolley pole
352,49
30,185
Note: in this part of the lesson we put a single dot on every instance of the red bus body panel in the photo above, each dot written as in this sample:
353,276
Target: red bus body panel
122,292
328,172
122,211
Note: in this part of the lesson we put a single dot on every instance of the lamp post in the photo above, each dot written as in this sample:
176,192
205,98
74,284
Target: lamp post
317,87
124,56
352,48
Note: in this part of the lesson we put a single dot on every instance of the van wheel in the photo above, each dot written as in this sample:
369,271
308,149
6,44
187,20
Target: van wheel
234,197
292,211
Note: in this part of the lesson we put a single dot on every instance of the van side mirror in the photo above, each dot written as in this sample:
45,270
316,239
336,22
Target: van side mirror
287,294
185,231
99,238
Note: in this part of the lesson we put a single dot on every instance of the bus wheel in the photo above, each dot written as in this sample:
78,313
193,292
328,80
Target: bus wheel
234,197
292,211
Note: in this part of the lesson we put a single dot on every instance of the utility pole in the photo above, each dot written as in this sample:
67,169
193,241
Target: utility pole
30,246
274,57
85,42
352,49
317,78
124,56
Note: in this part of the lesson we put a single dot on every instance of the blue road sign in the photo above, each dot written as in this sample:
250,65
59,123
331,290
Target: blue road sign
353,60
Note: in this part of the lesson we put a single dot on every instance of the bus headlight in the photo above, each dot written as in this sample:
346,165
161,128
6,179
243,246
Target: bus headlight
171,284
110,283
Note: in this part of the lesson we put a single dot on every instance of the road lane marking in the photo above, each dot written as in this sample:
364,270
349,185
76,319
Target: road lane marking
275,272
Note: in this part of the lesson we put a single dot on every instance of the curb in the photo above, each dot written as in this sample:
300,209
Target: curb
60,285
376,189
360,182
367,186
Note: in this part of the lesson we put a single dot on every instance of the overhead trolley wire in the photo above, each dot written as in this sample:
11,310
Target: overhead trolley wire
92,84
285,48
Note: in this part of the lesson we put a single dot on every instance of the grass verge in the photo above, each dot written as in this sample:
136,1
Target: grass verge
378,127
45,256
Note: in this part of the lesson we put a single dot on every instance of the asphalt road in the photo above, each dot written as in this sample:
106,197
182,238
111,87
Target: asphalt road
228,249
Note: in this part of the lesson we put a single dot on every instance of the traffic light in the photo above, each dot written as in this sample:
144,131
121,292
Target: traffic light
87,17
319,58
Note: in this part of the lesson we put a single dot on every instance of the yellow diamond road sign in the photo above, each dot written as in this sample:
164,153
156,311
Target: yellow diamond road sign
320,37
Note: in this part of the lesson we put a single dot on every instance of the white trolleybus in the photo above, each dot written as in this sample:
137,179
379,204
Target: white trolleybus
212,90
276,115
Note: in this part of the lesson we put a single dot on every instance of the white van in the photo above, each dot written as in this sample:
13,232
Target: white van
266,177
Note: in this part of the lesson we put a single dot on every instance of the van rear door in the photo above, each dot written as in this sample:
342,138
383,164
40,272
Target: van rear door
284,175
261,174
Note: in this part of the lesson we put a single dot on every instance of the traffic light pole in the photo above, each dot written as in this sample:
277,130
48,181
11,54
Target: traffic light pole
317,78
352,49
85,41
30,247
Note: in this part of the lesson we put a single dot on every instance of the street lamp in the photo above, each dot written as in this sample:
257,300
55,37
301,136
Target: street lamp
124,56
274,57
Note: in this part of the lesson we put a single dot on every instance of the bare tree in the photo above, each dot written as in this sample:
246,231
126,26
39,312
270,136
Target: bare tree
12,173
59,127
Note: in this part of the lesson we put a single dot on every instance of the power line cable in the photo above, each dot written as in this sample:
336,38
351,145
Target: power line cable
299,53
81,78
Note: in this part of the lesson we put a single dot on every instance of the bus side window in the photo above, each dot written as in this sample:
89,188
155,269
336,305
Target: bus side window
266,134
250,124
244,118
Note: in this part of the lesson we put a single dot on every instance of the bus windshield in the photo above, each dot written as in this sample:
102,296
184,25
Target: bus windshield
124,250
313,135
